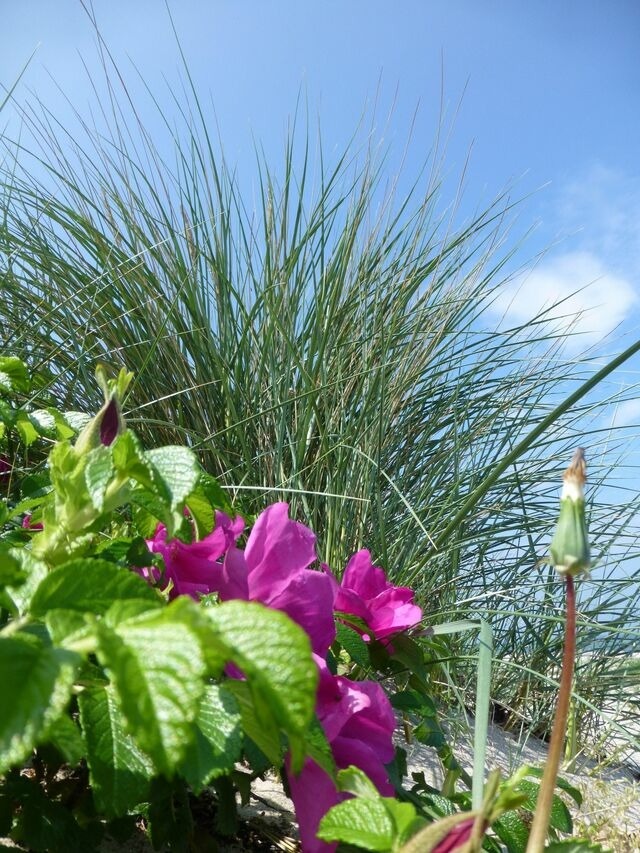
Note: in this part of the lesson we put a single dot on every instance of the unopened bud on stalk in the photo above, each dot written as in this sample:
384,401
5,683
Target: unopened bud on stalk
569,549
108,423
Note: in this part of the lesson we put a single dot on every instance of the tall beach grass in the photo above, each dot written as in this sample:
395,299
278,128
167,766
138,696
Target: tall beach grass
325,339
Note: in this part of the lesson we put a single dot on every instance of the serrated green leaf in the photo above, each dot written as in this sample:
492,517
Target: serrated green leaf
77,421
66,736
98,474
34,571
91,586
36,685
201,513
511,829
362,822
12,573
130,460
353,644
26,430
7,414
215,494
178,468
157,666
264,732
218,738
177,474
14,376
43,422
559,818
405,818
275,655
120,772
354,781
67,626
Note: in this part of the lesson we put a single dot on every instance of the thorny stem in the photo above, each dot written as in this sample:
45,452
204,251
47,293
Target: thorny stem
540,824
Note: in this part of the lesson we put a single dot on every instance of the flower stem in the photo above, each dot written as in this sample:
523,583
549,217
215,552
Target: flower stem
540,824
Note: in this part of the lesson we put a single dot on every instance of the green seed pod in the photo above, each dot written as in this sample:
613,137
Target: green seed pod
570,552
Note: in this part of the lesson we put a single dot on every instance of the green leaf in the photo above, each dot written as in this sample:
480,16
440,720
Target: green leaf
120,773
34,572
574,847
14,376
559,818
354,781
218,738
12,572
36,685
177,474
98,474
511,829
407,821
275,655
201,513
43,422
215,494
91,586
362,822
67,738
7,414
353,644
26,430
77,421
262,730
157,666
46,825
130,460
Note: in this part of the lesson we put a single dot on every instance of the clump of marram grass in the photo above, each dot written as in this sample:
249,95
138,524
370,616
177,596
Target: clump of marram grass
321,339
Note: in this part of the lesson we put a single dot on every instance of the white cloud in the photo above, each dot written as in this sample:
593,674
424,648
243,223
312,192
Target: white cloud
578,292
626,413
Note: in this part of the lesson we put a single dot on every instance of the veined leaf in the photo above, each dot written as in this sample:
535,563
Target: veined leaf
157,667
362,822
218,738
120,773
275,655
91,586
36,684
98,473
14,376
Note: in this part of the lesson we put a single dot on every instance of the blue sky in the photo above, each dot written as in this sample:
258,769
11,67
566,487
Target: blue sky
543,95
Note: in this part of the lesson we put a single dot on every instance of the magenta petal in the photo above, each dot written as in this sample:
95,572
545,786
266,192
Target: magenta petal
277,548
313,794
363,577
233,582
456,837
347,751
393,611
366,593
351,604
308,600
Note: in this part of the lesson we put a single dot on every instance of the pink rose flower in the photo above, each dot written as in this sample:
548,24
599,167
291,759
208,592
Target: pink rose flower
273,569
365,592
359,722
194,568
